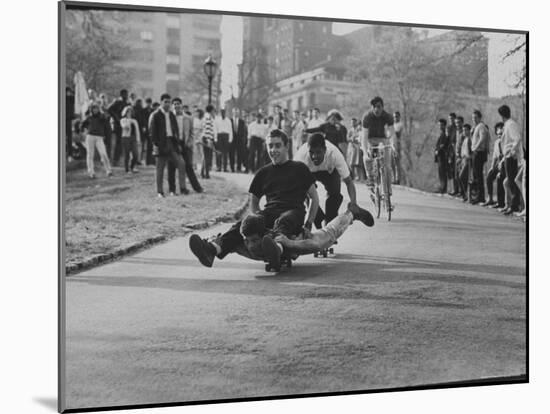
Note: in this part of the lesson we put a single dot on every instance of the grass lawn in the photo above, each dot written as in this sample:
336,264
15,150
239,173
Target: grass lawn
108,213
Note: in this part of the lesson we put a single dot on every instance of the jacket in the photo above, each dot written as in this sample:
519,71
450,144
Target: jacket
158,131
97,125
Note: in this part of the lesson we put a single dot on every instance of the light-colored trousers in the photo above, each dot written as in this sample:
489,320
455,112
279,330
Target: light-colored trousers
93,142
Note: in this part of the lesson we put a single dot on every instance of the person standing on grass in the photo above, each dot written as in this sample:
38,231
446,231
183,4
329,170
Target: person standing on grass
115,111
164,133
185,141
96,127
130,136
208,137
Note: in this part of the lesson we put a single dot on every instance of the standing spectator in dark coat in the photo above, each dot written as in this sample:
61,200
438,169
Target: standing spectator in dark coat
334,132
441,155
115,111
96,127
451,133
141,117
69,115
459,125
237,149
164,133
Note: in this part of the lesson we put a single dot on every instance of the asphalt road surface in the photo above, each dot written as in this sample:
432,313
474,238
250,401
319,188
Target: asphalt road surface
436,295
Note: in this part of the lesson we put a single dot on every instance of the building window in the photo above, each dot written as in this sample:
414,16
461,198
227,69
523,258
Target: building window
171,68
173,59
142,55
173,21
172,33
146,36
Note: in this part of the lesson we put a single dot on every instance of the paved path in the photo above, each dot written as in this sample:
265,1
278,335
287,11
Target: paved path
436,295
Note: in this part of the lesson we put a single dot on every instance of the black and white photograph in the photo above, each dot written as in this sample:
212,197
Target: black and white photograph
259,206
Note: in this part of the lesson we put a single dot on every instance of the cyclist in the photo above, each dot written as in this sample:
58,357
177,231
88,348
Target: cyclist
377,129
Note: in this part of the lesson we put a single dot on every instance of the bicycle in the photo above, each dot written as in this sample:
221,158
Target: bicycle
379,197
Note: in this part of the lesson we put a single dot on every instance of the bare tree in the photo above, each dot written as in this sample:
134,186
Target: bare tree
416,76
96,46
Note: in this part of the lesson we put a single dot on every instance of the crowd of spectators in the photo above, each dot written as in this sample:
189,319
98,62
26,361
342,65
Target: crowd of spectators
462,151
200,140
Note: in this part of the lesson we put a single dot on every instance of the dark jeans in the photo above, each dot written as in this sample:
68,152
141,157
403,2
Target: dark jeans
129,145
458,168
480,158
207,161
171,155
332,185
287,222
451,172
69,136
187,155
464,178
118,145
493,175
255,154
223,146
237,154
511,166
442,169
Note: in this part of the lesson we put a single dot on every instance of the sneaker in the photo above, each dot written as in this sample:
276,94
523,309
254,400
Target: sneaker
272,253
135,170
172,194
502,209
361,214
110,174
92,176
202,249
487,203
199,190
184,191
521,213
496,205
160,195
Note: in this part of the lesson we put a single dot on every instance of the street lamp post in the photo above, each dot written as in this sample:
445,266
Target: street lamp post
210,66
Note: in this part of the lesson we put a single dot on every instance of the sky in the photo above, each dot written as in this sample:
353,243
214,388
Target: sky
500,73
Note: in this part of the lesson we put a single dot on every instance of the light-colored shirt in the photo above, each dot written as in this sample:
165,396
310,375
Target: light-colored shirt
512,140
480,138
333,160
223,126
126,125
256,129
466,147
497,153
169,132
314,123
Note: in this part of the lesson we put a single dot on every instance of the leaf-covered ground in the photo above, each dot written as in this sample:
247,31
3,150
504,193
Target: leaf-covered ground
107,213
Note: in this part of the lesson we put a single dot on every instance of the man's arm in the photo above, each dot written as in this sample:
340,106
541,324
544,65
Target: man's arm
254,203
365,142
313,205
351,190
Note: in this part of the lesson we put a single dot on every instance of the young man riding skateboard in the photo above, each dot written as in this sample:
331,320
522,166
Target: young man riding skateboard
285,184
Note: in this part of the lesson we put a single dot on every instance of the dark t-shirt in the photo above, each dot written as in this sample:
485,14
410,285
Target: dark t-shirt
285,186
332,133
376,124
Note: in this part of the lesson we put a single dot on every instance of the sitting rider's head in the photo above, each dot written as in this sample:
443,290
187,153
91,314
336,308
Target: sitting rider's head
377,105
317,148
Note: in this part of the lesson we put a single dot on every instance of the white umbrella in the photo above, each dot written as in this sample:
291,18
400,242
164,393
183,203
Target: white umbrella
81,99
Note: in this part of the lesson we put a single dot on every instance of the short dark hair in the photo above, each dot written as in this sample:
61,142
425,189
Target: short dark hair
452,115
148,100
397,113
165,96
504,111
176,99
253,224
376,100
200,112
123,91
209,108
156,104
317,109
277,133
477,112
442,121
316,140
499,125
461,118
467,126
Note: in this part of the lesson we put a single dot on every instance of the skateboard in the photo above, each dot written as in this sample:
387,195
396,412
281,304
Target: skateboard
285,261
324,252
